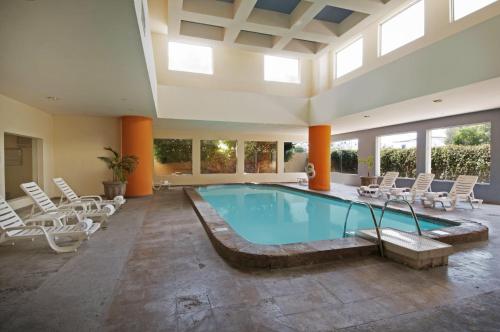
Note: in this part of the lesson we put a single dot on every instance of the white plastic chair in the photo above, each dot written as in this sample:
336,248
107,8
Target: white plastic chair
69,197
462,191
12,228
46,206
376,190
421,185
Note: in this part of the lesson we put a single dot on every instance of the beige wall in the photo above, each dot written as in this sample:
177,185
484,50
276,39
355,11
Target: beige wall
78,140
240,176
234,70
21,119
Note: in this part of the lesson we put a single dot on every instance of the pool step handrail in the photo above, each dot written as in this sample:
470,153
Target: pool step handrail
414,215
379,239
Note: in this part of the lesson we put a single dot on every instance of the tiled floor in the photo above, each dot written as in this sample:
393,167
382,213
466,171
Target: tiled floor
173,280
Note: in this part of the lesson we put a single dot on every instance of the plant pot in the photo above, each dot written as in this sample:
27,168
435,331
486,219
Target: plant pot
114,188
368,180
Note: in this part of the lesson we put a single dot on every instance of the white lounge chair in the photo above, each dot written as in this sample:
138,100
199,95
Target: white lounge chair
96,202
376,190
46,206
12,228
462,190
421,185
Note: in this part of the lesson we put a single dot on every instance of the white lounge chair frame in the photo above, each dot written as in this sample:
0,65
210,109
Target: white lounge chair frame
69,197
376,190
46,206
462,191
12,229
421,185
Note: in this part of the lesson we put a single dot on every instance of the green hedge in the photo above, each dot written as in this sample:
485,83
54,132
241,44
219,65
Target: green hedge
344,161
403,161
448,161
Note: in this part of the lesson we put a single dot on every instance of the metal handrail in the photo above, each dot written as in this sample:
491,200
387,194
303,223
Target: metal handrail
414,215
379,239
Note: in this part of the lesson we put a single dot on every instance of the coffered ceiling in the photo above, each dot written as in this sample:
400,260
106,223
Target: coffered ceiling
296,26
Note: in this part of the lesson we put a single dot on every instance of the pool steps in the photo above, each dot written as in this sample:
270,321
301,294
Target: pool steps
416,251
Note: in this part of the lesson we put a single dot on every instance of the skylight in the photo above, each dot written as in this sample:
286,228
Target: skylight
349,58
402,28
462,8
190,58
280,69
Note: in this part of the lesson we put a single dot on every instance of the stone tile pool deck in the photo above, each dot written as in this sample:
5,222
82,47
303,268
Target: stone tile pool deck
155,269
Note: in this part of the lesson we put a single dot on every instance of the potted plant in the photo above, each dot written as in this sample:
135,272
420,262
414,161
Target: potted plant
121,166
367,180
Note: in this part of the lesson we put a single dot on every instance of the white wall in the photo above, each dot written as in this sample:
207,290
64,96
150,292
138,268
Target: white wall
234,70
214,105
21,119
240,176
437,27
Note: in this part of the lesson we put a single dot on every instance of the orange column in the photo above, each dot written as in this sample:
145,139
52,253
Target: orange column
137,139
319,156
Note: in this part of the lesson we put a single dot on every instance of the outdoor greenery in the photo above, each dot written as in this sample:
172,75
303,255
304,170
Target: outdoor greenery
450,161
218,156
173,150
121,166
344,161
469,135
403,161
291,149
260,157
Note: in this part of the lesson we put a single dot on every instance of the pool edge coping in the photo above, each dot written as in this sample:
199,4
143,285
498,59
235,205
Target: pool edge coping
242,253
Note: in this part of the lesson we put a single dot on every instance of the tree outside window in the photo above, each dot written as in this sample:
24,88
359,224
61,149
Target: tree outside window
218,156
260,157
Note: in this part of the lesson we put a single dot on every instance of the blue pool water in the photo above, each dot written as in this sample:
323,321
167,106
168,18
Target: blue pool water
274,215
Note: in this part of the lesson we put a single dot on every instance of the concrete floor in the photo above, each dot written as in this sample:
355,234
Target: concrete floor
154,269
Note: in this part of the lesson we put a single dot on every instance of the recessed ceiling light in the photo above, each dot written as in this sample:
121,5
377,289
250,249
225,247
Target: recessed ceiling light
52,98
437,101
366,116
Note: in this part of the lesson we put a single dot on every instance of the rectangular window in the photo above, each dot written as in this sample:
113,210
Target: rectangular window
218,156
260,157
463,150
173,156
349,58
21,163
398,153
296,156
344,156
279,69
462,8
190,58
402,28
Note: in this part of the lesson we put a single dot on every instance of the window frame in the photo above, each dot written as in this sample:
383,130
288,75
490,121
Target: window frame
181,139
299,66
236,148
428,152
345,140
358,38
452,11
380,54
210,72
260,141
378,149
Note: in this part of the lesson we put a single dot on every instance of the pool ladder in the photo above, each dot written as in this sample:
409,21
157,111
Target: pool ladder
378,225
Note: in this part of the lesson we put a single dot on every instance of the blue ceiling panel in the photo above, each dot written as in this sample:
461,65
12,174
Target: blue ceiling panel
333,14
281,6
